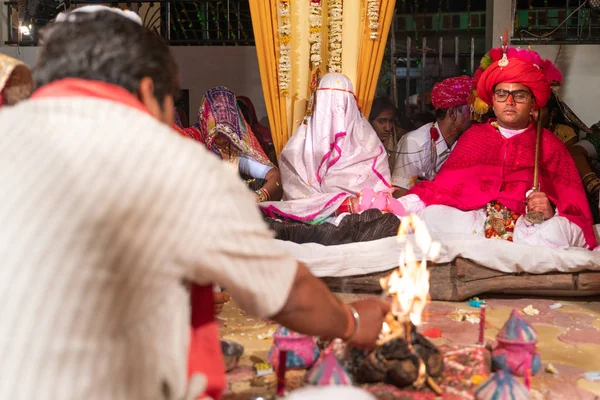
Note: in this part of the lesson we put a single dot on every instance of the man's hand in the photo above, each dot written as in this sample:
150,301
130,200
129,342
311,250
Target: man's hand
220,298
372,313
538,201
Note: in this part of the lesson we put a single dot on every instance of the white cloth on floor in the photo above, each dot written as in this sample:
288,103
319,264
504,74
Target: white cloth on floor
557,232
382,255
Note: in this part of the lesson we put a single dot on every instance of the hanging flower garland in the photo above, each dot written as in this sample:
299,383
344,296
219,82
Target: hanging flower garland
373,15
285,62
314,36
335,36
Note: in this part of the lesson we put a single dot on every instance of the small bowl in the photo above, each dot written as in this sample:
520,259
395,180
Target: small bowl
232,352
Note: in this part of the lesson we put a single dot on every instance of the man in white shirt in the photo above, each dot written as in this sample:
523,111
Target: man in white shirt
421,153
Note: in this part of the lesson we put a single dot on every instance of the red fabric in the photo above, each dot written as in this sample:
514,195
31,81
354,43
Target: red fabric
73,87
452,92
516,71
179,130
205,355
262,133
485,166
434,133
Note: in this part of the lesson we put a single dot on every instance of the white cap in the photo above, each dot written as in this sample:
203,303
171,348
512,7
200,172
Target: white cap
68,16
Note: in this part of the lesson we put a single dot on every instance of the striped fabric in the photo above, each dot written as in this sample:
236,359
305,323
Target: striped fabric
105,215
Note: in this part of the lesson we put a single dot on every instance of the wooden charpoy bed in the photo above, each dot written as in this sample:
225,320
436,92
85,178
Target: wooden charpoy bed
462,279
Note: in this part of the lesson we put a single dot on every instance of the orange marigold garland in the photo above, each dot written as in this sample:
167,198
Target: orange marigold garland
335,36
285,62
373,15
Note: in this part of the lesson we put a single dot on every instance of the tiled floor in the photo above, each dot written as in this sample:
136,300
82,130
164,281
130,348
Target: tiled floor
569,339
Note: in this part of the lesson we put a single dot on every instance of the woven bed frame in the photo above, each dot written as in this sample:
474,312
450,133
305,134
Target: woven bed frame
462,279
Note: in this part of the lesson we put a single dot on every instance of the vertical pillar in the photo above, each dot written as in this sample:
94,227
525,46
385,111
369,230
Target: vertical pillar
501,20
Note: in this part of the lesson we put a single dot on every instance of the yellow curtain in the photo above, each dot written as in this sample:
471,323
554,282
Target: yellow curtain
371,56
361,57
265,27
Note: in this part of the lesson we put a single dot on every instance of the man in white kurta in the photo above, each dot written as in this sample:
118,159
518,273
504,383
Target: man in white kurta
107,218
421,153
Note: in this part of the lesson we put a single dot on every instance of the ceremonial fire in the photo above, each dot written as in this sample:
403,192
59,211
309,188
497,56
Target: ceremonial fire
408,286
403,356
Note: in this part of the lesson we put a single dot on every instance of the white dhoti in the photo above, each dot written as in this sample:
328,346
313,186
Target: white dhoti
557,232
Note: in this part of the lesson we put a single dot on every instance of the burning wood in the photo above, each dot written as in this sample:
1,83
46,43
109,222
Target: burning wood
408,286
403,356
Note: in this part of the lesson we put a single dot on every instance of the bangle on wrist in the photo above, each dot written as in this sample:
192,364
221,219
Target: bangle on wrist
261,196
589,175
353,322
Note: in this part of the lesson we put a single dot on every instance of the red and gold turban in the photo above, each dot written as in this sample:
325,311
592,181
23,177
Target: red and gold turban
452,92
520,66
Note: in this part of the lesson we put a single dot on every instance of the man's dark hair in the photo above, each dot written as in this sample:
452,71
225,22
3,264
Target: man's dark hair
422,118
380,104
107,47
440,113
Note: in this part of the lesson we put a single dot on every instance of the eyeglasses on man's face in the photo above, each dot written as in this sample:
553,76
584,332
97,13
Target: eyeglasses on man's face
519,96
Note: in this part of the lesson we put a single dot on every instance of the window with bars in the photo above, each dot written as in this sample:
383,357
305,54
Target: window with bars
556,22
181,22
211,23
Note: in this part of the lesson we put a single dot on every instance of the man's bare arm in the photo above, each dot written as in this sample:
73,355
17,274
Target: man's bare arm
313,310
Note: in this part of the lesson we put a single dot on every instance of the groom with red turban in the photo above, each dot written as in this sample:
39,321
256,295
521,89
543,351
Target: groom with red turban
485,185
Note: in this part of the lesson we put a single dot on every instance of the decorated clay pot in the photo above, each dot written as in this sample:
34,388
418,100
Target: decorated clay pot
302,350
502,386
516,349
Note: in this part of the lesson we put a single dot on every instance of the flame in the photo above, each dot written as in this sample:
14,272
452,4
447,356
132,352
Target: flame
409,284
385,329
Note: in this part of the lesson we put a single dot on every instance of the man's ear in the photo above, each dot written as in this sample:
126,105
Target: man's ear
146,96
533,103
453,113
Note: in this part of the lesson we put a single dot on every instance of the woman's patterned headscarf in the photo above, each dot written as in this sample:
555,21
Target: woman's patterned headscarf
219,116
16,81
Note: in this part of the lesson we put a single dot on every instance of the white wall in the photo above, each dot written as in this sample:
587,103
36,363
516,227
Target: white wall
201,68
26,54
580,65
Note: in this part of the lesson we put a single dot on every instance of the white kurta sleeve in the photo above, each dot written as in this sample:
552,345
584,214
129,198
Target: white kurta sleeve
233,246
253,168
409,163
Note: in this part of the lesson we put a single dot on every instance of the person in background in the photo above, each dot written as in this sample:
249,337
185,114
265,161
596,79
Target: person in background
586,153
421,153
334,163
485,186
382,118
16,82
262,132
554,120
222,128
107,217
